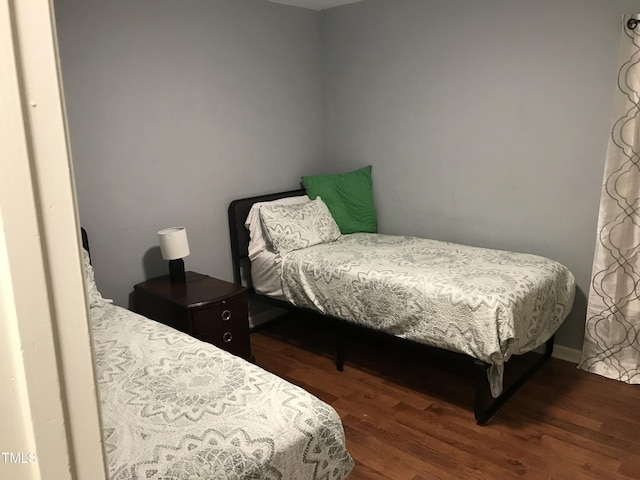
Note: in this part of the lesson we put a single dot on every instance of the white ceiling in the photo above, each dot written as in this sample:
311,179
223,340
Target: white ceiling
315,4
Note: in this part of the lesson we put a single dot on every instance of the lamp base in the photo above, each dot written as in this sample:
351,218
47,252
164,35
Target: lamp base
176,271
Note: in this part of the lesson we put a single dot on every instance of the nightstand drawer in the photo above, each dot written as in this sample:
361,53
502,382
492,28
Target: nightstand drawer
220,315
234,339
207,308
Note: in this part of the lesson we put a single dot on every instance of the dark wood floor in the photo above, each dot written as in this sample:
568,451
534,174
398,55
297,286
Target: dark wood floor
409,415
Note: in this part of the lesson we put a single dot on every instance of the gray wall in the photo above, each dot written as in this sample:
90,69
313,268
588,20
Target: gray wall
486,122
175,109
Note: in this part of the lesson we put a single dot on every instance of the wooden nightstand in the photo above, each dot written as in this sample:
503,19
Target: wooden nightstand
209,309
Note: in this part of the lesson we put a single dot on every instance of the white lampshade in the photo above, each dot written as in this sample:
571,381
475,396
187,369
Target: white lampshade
173,243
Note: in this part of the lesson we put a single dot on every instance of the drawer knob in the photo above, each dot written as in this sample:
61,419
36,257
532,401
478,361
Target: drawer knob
226,315
227,337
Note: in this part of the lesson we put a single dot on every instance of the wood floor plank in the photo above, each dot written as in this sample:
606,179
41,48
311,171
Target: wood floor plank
385,427
409,416
630,466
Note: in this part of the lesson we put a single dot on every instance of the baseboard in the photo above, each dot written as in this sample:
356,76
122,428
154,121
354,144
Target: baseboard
567,354
561,352
258,318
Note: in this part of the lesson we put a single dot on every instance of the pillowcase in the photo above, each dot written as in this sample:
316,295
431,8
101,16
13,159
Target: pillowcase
349,197
258,241
93,294
292,227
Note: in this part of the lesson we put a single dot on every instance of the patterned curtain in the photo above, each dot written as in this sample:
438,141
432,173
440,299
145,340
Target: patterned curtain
612,335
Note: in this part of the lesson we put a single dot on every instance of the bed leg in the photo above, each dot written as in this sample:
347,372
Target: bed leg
482,387
482,413
339,346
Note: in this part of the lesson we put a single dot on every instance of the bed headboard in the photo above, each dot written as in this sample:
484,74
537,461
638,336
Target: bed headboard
238,211
85,241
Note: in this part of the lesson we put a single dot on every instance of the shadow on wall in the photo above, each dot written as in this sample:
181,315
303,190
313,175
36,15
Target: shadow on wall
578,313
153,266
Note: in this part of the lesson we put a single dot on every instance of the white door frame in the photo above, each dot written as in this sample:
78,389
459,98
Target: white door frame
50,422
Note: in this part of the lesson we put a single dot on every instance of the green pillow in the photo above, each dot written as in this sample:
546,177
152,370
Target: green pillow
349,197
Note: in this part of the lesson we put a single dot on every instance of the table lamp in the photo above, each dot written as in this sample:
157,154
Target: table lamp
174,247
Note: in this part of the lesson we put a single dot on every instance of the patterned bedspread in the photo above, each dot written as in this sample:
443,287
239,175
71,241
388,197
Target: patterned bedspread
175,408
488,304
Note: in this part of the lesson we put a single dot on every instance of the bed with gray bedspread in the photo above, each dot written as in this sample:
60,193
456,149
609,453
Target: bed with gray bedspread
519,300
487,304
175,408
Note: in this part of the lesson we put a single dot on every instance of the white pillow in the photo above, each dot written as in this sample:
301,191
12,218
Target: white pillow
258,242
94,296
294,227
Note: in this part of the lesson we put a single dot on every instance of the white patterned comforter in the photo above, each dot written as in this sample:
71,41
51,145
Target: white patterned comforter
488,304
175,408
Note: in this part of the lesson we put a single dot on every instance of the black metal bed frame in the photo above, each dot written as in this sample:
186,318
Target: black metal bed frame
85,241
239,235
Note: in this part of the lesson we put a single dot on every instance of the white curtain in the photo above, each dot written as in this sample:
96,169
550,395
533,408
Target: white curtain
612,334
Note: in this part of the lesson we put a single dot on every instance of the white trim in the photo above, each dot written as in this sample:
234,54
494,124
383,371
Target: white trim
49,367
315,4
561,352
265,316
567,354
